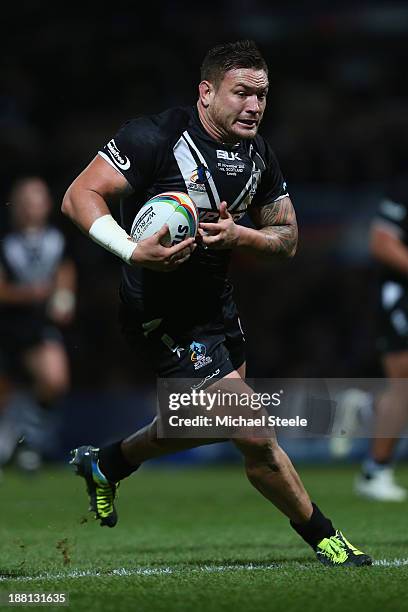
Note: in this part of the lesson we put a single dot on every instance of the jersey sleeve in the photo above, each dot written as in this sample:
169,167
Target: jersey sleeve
133,151
272,184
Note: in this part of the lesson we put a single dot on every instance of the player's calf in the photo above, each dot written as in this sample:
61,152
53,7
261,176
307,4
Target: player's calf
270,470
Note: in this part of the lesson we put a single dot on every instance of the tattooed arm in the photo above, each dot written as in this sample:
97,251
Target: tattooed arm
277,228
276,232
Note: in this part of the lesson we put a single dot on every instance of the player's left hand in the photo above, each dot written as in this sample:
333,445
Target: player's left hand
221,235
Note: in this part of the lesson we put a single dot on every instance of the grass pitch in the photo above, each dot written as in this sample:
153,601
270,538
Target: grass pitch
196,540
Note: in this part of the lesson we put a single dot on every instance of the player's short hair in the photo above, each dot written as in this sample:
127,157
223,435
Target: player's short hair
227,56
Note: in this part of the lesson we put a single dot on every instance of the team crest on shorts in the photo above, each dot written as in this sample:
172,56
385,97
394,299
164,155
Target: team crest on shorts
198,355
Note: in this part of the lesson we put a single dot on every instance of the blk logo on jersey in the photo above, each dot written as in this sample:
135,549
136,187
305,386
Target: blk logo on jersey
122,162
198,355
229,155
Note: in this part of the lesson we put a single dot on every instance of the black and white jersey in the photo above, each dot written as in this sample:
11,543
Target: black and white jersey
30,258
172,152
393,216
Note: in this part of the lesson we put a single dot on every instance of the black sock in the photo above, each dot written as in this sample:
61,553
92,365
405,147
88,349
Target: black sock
112,463
316,528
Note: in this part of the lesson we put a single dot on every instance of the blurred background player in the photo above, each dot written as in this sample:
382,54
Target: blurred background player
389,245
37,292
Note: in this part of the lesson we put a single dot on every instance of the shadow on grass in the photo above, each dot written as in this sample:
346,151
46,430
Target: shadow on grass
209,547
245,561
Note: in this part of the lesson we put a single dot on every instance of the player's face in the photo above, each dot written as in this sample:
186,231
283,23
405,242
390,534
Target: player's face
236,107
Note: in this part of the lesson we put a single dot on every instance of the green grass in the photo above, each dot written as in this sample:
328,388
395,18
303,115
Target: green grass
195,521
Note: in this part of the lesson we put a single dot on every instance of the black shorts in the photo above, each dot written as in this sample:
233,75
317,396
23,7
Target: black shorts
181,349
393,323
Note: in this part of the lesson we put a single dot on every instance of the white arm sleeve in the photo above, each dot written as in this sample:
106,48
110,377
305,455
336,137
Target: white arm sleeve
106,232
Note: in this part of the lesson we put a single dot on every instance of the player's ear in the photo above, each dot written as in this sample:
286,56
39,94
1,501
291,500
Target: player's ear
206,91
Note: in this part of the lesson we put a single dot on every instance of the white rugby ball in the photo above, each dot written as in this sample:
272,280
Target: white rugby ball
176,209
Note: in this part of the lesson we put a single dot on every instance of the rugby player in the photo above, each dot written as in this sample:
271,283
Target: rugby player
37,294
212,152
389,246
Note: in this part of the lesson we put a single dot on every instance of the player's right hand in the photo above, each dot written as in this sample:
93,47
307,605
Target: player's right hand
151,254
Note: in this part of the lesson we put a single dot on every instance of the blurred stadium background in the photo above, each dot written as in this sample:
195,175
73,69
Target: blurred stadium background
336,118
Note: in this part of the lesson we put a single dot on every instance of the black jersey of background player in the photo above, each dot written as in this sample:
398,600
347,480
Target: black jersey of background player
393,212
172,152
26,259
